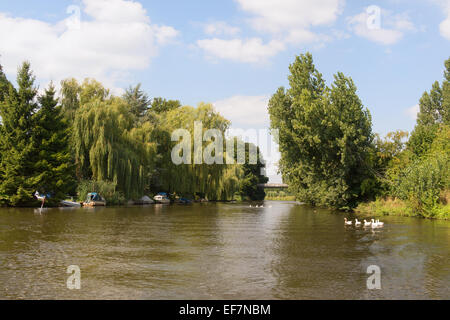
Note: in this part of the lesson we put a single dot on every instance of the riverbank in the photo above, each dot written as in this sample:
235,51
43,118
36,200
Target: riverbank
397,207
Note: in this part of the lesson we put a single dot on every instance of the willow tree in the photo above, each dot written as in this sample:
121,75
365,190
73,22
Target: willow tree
193,177
325,136
109,147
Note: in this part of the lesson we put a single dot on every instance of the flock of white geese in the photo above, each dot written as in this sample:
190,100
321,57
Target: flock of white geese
261,206
373,224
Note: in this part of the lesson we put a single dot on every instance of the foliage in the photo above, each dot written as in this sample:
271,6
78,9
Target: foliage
138,100
325,136
205,179
418,176
53,166
385,207
108,147
425,178
120,147
252,176
107,189
35,154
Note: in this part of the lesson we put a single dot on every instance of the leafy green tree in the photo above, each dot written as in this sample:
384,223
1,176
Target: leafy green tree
160,105
70,98
252,176
204,179
434,110
108,147
325,136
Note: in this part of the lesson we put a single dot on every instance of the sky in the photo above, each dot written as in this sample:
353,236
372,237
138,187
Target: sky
235,53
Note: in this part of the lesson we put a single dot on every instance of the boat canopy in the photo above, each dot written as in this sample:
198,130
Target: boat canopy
94,196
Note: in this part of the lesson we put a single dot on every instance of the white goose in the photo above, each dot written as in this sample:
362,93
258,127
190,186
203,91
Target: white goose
374,224
380,224
347,223
357,223
367,223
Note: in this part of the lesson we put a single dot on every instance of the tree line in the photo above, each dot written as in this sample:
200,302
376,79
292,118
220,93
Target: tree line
330,157
84,139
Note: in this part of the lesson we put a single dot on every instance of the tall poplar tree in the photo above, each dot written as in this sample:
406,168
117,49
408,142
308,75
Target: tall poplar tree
325,136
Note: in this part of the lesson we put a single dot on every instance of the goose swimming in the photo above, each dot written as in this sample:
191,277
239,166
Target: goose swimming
374,224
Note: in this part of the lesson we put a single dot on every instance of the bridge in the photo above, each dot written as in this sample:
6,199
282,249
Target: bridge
273,186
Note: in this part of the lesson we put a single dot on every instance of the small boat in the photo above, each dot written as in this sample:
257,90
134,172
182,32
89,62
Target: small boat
143,201
185,201
94,200
66,203
162,198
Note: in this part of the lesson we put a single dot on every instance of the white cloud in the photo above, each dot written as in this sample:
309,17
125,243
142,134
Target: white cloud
413,111
245,111
390,30
250,50
220,28
444,27
290,15
117,38
285,22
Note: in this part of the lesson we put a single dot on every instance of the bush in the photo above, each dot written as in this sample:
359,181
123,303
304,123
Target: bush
106,189
423,181
386,207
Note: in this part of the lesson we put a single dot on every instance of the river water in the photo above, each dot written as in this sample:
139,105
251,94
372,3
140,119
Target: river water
218,251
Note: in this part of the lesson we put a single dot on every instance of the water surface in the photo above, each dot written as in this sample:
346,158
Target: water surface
218,251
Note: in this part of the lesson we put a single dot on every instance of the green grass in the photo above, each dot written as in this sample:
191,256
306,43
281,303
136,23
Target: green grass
397,207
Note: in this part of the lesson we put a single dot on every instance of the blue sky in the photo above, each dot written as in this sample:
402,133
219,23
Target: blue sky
235,53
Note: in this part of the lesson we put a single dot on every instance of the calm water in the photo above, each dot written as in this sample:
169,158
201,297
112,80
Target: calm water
218,251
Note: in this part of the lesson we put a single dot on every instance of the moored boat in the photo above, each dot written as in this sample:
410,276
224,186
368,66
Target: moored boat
162,198
94,200
67,203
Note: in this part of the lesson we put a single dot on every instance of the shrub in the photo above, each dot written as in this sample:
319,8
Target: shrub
106,189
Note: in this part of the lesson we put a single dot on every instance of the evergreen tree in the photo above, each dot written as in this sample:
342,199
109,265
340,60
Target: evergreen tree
138,100
4,84
17,178
54,168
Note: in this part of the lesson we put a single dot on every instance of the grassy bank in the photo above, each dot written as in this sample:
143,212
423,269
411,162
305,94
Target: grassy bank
397,207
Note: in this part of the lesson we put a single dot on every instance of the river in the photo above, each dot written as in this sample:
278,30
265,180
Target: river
218,251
